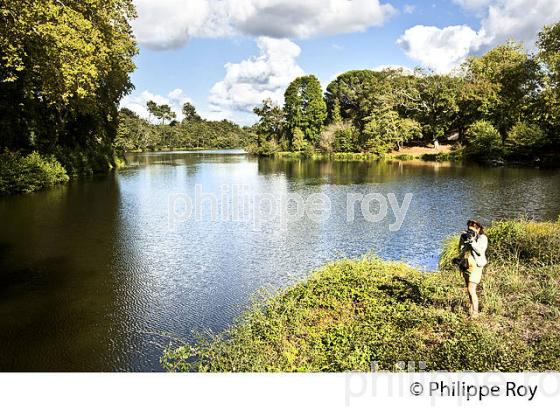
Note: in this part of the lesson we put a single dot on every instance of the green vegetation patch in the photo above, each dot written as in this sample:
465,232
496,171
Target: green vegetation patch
33,172
355,314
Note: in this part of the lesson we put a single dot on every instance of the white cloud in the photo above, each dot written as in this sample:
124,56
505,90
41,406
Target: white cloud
443,48
137,102
409,8
248,83
518,19
438,49
170,23
166,24
474,5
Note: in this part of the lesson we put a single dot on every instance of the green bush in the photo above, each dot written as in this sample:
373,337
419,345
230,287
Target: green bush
405,157
455,155
298,141
33,172
524,140
267,148
86,161
345,139
484,142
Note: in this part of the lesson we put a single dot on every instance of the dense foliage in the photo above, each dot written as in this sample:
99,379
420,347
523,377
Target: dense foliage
137,134
358,314
64,67
305,111
23,174
513,92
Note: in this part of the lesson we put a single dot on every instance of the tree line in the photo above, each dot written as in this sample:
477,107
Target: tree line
192,132
504,104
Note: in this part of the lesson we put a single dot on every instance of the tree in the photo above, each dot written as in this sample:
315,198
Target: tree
299,143
524,139
153,109
305,108
189,112
483,142
336,117
64,66
516,77
166,114
271,122
548,44
345,138
162,112
386,130
475,100
433,102
349,93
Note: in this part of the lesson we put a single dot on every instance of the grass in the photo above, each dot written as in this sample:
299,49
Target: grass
336,156
352,313
442,156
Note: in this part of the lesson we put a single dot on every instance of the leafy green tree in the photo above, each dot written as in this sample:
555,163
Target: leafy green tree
516,77
548,44
524,139
350,92
64,66
271,124
166,114
305,108
189,112
483,142
298,142
475,101
433,102
386,130
346,139
153,109
162,112
336,114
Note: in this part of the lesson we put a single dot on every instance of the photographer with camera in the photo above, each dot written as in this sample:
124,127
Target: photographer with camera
472,259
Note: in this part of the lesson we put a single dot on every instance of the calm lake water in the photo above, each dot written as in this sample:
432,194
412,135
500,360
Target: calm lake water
94,277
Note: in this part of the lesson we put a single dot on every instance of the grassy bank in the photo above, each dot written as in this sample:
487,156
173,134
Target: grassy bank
354,312
336,156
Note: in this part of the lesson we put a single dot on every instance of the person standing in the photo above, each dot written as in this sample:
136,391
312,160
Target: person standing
472,247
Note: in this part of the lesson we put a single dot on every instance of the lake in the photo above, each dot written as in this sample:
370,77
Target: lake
103,273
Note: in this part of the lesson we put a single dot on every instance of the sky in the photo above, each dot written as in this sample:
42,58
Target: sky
227,56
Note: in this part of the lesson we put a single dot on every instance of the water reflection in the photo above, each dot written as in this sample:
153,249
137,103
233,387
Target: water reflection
93,278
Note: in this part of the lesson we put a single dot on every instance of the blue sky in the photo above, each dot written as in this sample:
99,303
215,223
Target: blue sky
226,55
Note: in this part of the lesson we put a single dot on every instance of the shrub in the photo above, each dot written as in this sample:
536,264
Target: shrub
405,157
298,142
33,172
345,138
269,147
86,161
484,142
524,139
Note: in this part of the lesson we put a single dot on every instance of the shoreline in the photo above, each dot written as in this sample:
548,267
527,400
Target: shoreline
352,313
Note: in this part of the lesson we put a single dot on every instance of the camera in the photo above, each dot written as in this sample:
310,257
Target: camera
468,236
